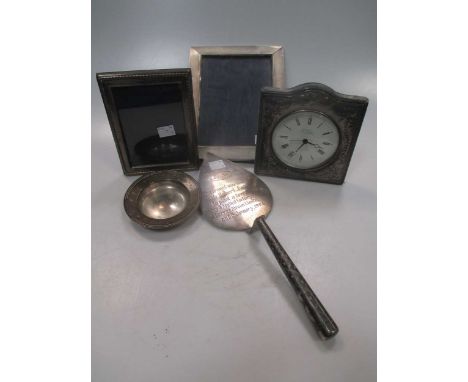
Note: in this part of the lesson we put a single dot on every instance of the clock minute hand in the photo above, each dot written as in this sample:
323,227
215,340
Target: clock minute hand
299,148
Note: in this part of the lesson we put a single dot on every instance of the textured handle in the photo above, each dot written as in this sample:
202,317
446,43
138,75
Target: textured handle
314,308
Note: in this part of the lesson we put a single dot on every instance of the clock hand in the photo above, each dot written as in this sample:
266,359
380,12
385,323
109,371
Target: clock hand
299,147
315,145
304,142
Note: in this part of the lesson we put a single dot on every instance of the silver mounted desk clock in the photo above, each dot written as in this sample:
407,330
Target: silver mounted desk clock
307,132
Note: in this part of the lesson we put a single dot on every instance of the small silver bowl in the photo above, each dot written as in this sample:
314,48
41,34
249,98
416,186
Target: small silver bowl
162,200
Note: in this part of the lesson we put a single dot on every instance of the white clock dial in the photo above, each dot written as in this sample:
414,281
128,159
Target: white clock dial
305,139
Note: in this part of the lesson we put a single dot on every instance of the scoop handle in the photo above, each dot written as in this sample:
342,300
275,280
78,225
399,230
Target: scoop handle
313,307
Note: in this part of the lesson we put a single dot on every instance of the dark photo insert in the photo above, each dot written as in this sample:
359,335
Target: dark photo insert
229,98
152,119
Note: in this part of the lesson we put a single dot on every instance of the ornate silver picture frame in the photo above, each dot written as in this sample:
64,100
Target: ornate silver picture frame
226,90
152,119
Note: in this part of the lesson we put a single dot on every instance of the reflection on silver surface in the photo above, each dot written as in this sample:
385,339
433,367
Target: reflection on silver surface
163,200
232,197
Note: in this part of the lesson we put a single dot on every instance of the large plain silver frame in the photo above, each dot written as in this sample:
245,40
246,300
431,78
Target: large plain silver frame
235,153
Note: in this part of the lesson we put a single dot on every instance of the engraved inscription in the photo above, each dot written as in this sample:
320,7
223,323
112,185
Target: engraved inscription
230,200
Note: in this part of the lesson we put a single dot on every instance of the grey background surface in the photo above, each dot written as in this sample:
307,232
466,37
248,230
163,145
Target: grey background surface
201,304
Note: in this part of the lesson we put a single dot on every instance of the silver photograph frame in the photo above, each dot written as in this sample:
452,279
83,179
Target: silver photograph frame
235,153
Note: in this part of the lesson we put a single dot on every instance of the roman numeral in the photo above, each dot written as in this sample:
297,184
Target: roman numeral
321,151
283,136
328,132
285,145
298,123
286,126
300,158
309,121
291,154
319,125
326,143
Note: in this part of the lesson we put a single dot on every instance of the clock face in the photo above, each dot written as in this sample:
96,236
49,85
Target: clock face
305,139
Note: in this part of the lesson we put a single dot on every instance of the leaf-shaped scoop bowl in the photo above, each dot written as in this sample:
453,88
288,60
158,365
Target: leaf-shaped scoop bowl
235,199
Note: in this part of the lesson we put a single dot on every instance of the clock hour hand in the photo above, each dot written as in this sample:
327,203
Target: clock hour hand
315,145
